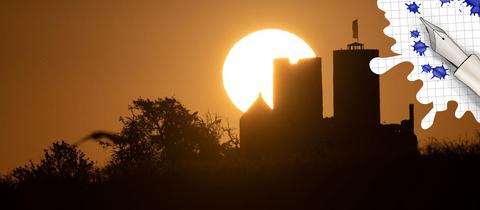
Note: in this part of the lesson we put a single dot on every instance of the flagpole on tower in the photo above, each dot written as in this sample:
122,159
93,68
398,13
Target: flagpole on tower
355,45
355,30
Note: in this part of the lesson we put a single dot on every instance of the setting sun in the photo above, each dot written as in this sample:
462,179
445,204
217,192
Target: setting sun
248,68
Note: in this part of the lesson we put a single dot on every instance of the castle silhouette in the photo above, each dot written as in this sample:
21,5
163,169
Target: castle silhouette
296,124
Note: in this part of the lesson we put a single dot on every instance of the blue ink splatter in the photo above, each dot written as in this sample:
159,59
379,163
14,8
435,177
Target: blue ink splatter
415,33
472,3
439,72
445,2
426,68
475,11
475,5
413,7
420,47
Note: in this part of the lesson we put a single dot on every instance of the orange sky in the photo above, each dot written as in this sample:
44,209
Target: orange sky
67,69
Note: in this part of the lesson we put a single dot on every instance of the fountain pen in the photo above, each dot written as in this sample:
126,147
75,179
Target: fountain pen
468,66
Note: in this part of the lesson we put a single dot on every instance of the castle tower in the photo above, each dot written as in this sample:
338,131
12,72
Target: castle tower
356,87
297,89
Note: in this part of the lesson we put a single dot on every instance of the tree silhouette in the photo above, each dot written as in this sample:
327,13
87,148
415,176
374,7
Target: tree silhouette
160,133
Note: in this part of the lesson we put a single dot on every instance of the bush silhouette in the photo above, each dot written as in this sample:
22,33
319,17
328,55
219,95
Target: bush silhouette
61,177
62,162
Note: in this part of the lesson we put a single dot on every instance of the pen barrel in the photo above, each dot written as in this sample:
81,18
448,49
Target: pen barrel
469,73
447,48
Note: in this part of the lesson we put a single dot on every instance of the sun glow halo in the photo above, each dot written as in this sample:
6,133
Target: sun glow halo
248,68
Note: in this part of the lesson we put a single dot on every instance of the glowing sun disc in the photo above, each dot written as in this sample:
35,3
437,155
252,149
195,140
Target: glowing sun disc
248,68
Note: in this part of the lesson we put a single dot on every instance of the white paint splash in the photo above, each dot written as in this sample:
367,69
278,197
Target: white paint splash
456,19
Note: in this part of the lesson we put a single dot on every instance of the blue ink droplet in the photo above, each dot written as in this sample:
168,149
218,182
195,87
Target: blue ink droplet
413,7
439,72
426,68
420,47
415,33
445,1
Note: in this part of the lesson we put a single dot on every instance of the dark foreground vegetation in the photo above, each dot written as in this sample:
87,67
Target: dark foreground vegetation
167,157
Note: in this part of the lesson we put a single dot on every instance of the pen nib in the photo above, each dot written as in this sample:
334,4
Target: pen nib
432,30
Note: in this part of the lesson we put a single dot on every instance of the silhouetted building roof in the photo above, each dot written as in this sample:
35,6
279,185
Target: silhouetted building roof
255,127
260,106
